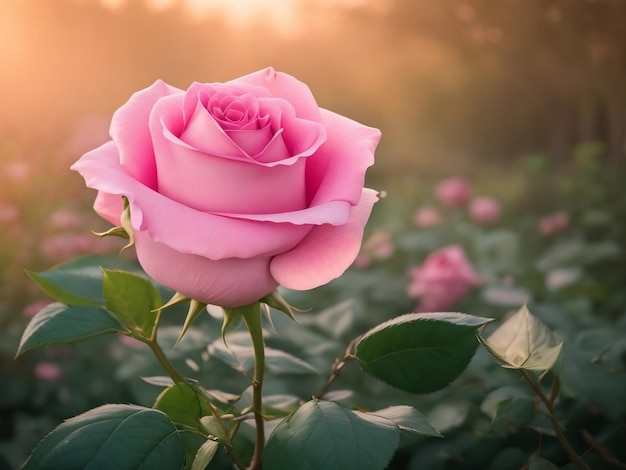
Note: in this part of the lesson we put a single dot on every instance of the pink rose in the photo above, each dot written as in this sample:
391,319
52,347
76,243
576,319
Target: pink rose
236,187
553,223
426,217
485,210
47,371
453,192
442,280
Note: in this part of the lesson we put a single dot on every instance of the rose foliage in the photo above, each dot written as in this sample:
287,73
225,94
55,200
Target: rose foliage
229,190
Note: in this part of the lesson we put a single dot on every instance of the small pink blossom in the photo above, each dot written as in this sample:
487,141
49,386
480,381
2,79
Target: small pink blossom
65,246
485,210
9,213
33,308
64,219
130,341
47,371
379,245
426,217
362,261
453,192
553,223
17,171
444,278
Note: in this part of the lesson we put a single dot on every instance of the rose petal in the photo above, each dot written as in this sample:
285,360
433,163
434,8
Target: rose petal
333,212
326,252
109,207
337,171
182,228
213,184
229,282
202,132
287,87
129,130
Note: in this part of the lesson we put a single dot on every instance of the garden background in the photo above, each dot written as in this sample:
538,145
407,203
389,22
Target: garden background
523,99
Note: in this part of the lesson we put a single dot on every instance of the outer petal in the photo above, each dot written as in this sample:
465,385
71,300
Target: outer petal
129,130
326,252
285,86
182,228
337,171
109,207
229,282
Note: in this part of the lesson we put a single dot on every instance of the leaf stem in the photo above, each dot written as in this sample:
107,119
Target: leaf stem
338,365
252,318
549,403
158,352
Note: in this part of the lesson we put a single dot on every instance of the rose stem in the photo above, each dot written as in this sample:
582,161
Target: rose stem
252,318
574,457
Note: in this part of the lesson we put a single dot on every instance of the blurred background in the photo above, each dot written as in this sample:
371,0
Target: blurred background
526,99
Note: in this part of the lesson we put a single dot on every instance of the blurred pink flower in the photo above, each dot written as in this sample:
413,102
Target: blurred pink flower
553,223
17,171
9,213
485,210
379,244
362,261
130,341
66,219
453,192
426,217
47,371
444,278
33,308
64,246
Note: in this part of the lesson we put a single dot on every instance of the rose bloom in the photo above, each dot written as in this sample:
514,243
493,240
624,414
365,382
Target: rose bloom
236,187
47,371
553,223
485,210
426,217
453,192
444,278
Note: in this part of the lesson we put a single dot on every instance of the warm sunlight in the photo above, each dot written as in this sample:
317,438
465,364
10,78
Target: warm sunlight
243,12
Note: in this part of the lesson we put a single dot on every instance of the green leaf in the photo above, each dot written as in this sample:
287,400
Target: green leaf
205,454
325,435
132,299
79,281
408,419
509,405
120,437
274,406
523,342
58,323
420,352
449,414
184,404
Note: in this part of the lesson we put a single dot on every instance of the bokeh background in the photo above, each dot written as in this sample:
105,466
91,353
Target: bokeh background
525,99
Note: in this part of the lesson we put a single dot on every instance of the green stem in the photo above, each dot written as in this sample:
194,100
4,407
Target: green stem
338,365
252,318
549,403
160,355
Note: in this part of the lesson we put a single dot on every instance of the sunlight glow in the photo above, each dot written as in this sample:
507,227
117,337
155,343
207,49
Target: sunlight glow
240,13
